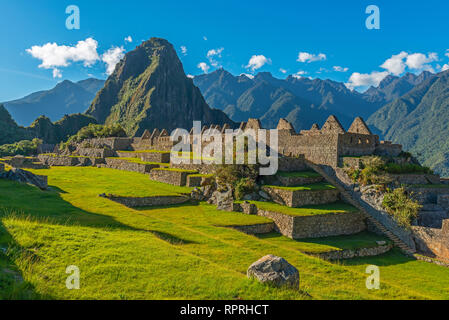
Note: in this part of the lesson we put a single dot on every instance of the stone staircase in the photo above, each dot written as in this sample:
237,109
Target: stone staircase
331,176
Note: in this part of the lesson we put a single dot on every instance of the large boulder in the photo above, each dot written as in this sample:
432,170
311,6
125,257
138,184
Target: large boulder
25,177
275,271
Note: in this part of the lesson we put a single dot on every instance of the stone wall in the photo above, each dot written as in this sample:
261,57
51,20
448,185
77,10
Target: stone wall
316,226
355,253
95,152
386,148
134,202
159,157
415,178
198,181
58,161
295,181
291,164
201,168
428,195
255,228
433,241
301,198
176,178
282,222
114,144
443,201
120,164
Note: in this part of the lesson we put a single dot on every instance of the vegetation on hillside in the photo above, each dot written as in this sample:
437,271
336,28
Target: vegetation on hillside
241,177
375,170
95,131
401,206
418,121
24,148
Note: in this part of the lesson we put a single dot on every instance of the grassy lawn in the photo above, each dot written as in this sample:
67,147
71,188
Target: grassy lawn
336,207
177,170
299,174
179,252
320,245
307,187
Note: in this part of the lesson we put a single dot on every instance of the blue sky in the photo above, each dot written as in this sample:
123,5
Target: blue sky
414,33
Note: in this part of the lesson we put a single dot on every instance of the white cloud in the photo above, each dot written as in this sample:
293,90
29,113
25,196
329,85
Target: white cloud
215,52
447,53
53,55
250,76
283,71
340,69
395,64
203,66
112,57
366,79
204,38
190,76
445,67
257,62
129,39
184,50
299,74
419,61
57,73
211,54
416,61
310,57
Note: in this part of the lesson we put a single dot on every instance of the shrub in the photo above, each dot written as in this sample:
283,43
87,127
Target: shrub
24,148
402,207
243,176
243,187
95,131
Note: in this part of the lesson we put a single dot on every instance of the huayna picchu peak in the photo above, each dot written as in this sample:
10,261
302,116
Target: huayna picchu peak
149,89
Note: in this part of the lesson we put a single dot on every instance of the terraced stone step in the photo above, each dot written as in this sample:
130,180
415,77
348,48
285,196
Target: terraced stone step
311,221
361,244
296,178
334,179
176,177
131,164
298,196
147,155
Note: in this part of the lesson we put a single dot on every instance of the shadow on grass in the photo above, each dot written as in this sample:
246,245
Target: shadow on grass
393,257
189,203
28,202
12,284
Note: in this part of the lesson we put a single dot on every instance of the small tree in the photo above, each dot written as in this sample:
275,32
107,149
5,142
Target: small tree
401,206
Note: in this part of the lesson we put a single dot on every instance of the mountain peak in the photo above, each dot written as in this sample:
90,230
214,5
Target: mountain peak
149,89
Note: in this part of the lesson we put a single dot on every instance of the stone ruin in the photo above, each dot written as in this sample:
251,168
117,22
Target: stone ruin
327,145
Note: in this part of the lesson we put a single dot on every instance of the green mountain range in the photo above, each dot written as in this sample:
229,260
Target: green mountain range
419,120
65,98
42,128
149,89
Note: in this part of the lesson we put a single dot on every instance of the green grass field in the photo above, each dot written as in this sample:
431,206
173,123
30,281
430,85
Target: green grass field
299,174
337,207
179,252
